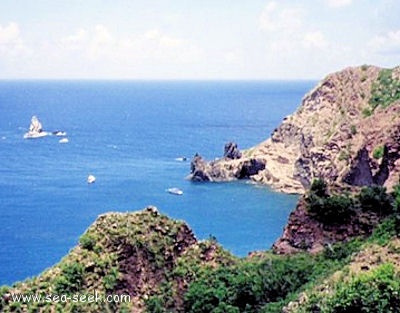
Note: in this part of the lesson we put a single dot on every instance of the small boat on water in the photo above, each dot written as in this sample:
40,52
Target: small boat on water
181,159
63,140
91,179
175,191
59,133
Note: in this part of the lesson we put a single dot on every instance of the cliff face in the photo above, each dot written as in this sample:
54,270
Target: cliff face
304,232
346,130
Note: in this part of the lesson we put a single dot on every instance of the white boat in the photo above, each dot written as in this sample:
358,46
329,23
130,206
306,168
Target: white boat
59,133
63,140
181,159
91,179
175,191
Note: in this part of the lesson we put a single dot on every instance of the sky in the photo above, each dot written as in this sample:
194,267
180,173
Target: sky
195,39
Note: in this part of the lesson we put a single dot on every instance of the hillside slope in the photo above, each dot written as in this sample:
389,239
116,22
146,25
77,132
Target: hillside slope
133,254
346,130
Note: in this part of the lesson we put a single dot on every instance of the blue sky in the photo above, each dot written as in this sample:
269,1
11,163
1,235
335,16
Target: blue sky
195,39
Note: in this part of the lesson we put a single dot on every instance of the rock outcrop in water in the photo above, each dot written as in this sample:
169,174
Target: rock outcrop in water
35,129
346,131
232,166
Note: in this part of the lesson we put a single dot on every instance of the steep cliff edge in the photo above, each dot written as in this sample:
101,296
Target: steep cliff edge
346,131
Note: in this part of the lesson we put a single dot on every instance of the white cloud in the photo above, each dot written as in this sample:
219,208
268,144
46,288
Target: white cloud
9,34
315,39
388,43
339,3
163,39
100,49
275,18
75,41
11,43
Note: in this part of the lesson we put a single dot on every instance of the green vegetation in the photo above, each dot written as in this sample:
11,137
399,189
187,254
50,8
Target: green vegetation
71,278
375,291
335,208
376,199
329,209
353,130
378,152
263,284
385,91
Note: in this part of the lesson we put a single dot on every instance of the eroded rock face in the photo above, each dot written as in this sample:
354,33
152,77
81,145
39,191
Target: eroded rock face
360,173
231,151
304,233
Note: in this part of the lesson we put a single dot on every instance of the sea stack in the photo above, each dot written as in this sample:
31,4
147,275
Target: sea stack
35,129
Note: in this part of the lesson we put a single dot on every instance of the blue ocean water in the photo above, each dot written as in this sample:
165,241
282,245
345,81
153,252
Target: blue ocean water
128,134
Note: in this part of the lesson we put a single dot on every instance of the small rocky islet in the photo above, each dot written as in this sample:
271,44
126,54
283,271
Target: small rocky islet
340,150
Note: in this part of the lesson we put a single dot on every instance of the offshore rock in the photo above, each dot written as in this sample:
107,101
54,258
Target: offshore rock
35,129
224,169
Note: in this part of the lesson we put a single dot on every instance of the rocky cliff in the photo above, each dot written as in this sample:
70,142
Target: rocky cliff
346,131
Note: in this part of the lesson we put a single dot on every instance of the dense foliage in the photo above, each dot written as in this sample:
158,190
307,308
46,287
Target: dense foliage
263,284
328,209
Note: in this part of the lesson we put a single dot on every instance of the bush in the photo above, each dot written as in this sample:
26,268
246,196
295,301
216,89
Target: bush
249,285
376,291
87,241
378,152
328,209
319,188
71,278
376,199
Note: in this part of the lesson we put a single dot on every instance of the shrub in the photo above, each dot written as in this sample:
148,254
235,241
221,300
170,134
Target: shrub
319,188
328,209
87,241
249,285
378,152
110,280
375,199
376,291
71,278
353,129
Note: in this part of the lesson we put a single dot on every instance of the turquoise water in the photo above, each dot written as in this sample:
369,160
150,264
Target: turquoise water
128,134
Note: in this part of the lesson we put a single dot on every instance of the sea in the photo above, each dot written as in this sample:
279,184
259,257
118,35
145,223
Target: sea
131,135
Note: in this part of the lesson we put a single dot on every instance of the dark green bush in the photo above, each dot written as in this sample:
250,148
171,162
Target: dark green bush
328,209
71,278
378,152
376,199
87,241
250,285
319,188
